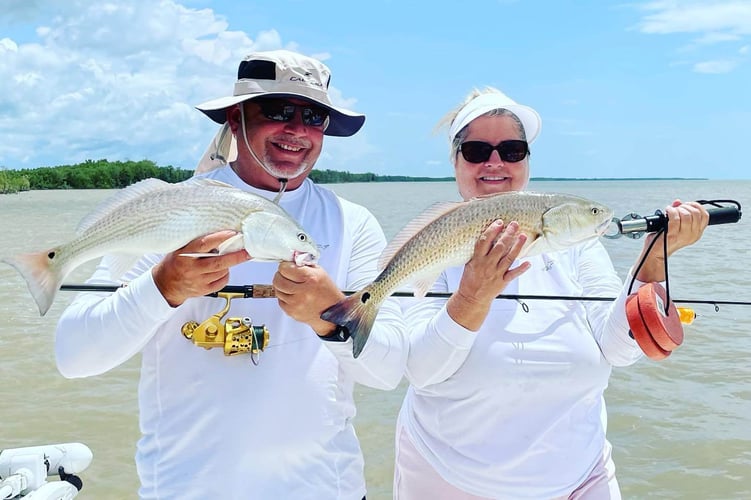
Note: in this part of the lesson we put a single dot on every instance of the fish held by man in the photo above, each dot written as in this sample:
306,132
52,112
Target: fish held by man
445,236
153,216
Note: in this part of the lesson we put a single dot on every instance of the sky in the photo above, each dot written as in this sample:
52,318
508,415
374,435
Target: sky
625,89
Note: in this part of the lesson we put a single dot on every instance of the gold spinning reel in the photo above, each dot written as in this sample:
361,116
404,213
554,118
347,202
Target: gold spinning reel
233,335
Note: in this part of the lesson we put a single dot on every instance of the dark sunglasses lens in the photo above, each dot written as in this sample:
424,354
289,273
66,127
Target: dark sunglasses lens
281,111
513,151
509,151
277,110
476,151
314,116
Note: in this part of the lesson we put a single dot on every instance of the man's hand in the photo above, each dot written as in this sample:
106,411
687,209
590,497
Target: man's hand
304,293
178,278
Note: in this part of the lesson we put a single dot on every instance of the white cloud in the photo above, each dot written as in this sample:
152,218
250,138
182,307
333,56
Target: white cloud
697,16
715,67
713,38
715,24
117,80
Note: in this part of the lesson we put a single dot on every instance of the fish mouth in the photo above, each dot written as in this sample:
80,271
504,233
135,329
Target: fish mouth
304,258
603,226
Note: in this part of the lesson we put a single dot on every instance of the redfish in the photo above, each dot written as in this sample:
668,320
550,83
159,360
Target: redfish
445,236
153,216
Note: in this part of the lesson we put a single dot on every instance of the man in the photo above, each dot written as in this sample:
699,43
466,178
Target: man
221,427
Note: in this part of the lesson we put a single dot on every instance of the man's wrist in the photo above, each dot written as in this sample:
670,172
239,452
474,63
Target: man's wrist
339,334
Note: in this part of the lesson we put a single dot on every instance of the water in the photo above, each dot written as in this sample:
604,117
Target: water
681,428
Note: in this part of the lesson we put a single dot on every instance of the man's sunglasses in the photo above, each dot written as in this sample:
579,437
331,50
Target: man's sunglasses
510,151
280,110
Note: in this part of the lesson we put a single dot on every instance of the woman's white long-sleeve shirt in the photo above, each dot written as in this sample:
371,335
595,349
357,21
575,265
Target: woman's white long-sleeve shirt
215,426
516,409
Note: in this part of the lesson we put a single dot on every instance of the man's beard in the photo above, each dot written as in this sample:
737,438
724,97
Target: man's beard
274,170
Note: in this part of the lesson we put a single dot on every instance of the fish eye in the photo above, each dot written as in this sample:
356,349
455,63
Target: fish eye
595,211
302,237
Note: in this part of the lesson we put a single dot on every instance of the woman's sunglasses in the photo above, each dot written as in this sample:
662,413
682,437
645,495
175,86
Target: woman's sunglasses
510,151
280,110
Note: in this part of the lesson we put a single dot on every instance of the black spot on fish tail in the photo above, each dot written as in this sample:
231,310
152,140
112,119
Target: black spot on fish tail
365,297
51,255
355,316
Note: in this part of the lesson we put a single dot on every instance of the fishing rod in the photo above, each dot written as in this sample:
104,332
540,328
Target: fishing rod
656,331
259,291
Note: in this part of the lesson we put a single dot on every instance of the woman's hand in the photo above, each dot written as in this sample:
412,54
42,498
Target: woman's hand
686,224
487,273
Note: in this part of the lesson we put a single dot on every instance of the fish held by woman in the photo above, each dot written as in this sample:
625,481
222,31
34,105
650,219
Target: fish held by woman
153,216
445,236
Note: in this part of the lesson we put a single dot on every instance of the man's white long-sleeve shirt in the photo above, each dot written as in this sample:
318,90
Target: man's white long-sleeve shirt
215,426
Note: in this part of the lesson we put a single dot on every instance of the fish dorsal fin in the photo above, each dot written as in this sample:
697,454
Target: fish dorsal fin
122,197
504,193
414,226
134,191
208,182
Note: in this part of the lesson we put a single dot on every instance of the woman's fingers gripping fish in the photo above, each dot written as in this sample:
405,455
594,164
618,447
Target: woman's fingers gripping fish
153,216
445,236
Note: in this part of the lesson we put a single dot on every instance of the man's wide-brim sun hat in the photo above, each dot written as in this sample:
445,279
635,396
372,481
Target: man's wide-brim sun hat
285,74
489,101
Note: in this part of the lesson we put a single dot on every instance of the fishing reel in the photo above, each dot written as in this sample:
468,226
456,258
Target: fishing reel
232,335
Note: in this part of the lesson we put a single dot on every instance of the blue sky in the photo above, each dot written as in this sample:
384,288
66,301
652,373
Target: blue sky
636,89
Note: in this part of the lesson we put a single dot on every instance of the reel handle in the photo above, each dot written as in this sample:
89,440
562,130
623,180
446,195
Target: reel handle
724,215
654,223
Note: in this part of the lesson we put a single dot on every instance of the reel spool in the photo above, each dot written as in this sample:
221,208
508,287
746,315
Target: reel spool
657,333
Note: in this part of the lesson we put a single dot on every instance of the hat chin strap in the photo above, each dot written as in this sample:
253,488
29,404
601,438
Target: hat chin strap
282,179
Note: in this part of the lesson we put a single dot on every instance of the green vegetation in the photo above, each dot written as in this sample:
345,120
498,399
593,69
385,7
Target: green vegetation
101,174
337,177
104,174
12,184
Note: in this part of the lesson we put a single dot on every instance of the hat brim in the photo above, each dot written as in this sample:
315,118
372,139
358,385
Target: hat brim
530,120
342,122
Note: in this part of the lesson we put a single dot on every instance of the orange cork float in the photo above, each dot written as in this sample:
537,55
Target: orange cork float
657,332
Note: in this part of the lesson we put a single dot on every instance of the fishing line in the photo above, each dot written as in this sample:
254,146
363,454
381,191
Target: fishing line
660,224
249,292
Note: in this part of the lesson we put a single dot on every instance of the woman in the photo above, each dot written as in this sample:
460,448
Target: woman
505,403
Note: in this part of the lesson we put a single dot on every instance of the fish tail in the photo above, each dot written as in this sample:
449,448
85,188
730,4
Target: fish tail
41,277
357,314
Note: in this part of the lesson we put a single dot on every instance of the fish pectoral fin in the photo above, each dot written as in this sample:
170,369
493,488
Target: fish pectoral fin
534,246
421,286
119,264
232,244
